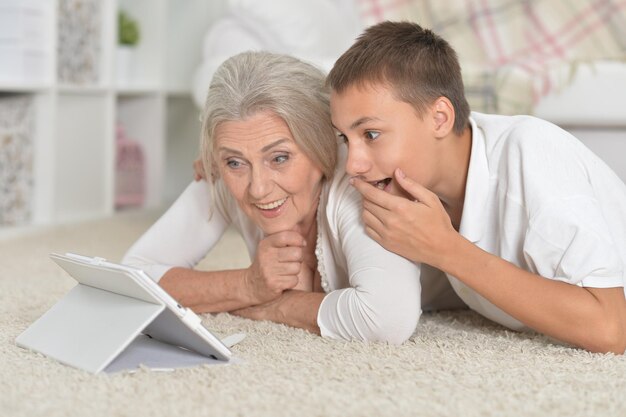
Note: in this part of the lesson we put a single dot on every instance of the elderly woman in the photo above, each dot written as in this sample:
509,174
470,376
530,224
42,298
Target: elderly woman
271,149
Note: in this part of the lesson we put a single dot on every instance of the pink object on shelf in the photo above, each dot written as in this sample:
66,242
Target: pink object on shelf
129,172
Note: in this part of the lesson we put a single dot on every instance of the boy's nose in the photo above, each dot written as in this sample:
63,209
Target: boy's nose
358,162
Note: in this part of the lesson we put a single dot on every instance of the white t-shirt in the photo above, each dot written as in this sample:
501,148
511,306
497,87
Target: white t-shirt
372,294
538,198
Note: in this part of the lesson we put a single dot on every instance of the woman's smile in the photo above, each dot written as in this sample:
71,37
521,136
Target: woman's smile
273,209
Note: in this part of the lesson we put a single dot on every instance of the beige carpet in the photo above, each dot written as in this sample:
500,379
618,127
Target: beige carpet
456,364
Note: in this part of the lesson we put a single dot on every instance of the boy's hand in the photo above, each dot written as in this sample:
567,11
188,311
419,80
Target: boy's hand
419,230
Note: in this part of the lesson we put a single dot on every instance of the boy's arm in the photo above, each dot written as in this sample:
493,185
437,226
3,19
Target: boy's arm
420,230
592,318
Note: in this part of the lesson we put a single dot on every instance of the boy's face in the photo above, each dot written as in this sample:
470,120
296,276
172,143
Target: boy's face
382,134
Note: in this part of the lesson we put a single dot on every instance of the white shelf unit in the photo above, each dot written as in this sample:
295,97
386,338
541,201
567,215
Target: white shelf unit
75,122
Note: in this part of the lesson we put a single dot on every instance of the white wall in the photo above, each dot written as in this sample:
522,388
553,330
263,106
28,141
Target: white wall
592,107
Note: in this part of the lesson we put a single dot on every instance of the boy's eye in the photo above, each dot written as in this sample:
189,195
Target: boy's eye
371,135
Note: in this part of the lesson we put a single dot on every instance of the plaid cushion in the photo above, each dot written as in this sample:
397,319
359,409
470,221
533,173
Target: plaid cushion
507,48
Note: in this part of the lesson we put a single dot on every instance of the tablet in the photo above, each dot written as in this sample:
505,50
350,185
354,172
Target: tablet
108,309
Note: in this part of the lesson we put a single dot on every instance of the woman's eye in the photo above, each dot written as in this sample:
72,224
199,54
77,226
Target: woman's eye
371,135
233,164
281,159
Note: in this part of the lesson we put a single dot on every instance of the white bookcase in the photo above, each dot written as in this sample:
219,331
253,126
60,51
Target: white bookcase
74,122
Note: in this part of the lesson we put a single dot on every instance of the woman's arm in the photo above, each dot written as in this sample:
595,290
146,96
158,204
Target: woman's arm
208,291
294,308
277,266
171,248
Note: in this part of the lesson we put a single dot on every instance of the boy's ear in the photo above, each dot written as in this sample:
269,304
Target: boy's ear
443,116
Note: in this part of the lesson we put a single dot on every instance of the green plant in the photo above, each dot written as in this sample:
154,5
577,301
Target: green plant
127,30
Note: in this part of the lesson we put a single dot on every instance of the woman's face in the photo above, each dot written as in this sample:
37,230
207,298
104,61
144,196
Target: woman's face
275,184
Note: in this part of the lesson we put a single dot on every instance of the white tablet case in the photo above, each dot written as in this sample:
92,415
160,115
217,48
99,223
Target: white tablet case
104,315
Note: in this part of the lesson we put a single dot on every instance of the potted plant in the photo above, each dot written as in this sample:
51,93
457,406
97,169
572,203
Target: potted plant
127,39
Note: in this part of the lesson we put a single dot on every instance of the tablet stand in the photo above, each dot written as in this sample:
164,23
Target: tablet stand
96,324
89,327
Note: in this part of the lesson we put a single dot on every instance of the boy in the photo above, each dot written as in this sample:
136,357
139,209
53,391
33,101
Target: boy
528,225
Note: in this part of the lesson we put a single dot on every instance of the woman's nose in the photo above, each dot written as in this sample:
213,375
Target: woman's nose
358,162
260,183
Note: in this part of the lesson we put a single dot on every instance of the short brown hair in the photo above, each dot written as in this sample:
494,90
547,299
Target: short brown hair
418,65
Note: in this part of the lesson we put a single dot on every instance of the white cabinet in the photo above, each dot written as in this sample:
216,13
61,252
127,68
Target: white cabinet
77,103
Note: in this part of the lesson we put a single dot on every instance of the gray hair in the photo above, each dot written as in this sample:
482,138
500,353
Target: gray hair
253,82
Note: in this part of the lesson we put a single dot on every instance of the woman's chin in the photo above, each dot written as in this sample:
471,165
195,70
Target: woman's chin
271,227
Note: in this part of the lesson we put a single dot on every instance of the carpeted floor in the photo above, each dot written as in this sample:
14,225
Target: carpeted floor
456,364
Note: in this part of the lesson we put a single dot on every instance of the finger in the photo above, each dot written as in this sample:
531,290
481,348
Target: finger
290,282
285,269
290,254
418,191
373,222
377,211
284,282
373,234
286,238
371,193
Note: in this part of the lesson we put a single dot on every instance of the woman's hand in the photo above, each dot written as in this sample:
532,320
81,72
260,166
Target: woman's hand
277,266
305,278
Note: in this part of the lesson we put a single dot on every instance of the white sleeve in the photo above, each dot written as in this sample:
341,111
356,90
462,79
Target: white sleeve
570,241
383,300
182,236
